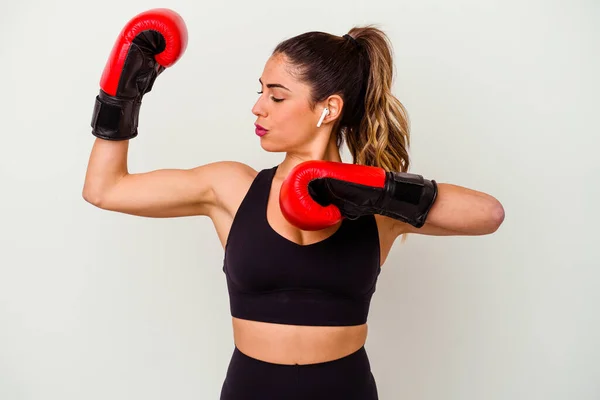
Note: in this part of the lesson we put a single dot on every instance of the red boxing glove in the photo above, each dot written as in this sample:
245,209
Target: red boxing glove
149,43
318,194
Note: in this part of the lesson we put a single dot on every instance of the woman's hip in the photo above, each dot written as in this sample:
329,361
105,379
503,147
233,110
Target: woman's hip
349,378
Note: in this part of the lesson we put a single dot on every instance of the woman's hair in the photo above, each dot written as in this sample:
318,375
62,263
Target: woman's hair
374,124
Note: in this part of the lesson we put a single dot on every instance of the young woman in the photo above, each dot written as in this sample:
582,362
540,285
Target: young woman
305,240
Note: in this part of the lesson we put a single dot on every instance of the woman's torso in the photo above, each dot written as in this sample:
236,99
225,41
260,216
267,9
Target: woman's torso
283,343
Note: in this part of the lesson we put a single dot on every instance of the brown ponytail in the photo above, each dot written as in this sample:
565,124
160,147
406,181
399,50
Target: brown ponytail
383,136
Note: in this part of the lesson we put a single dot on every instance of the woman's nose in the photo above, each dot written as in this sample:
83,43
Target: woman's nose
258,109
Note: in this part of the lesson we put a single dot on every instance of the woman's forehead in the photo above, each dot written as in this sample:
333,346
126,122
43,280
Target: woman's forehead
278,70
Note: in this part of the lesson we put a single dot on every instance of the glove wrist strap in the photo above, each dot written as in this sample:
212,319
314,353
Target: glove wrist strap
407,197
115,118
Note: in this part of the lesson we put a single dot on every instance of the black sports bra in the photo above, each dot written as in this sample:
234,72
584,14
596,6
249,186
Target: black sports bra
272,279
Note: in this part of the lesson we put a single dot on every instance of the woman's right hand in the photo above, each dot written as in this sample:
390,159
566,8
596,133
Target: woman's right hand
150,42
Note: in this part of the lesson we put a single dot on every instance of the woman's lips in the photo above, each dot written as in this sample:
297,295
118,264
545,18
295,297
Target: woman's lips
260,131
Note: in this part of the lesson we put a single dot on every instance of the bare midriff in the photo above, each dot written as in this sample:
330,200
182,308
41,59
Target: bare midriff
295,344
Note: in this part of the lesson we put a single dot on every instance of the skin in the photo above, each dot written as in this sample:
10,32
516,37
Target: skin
216,190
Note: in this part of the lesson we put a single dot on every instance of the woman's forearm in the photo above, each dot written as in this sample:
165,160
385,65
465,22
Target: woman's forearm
107,165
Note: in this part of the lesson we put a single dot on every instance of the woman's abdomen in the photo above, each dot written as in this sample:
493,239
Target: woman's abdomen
293,344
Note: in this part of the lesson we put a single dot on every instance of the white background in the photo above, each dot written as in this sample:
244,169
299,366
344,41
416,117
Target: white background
503,98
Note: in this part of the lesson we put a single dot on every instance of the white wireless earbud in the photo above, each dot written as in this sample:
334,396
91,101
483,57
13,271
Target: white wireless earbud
323,115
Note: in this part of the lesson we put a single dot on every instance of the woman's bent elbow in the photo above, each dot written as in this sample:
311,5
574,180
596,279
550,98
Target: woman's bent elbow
497,217
92,197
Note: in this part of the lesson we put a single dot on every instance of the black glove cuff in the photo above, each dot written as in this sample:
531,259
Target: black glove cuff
114,118
430,191
408,197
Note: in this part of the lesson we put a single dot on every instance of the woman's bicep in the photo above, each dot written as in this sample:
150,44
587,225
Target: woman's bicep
167,192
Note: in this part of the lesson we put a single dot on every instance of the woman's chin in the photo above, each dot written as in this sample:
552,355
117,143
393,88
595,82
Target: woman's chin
271,147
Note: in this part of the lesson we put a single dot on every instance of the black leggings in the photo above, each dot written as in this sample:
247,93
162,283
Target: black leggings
347,378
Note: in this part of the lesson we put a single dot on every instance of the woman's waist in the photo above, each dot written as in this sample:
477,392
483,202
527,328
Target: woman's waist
296,344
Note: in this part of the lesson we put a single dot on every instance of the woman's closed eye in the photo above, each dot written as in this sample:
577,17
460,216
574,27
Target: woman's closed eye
276,100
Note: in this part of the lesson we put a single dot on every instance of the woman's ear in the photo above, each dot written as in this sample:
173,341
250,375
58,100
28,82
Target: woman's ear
331,110
334,105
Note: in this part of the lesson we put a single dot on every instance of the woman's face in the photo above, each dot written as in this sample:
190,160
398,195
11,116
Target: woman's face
283,109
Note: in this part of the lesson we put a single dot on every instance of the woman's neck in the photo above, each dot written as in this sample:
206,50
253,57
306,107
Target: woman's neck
330,153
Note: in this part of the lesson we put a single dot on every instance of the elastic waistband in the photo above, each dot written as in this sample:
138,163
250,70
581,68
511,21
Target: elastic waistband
360,354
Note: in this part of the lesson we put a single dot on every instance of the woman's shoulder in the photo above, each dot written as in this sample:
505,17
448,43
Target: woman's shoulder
225,174
221,173
232,169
